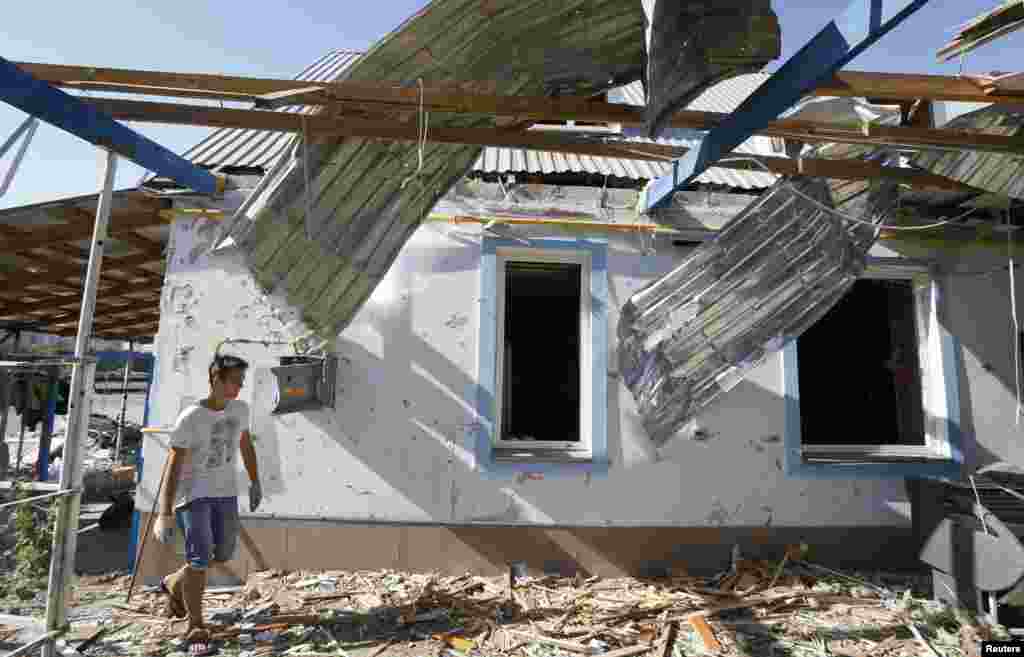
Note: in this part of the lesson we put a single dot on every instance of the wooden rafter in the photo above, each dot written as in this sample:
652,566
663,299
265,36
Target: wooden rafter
66,289
126,235
1004,19
144,330
226,87
108,299
39,236
127,271
109,318
809,131
145,327
110,321
59,275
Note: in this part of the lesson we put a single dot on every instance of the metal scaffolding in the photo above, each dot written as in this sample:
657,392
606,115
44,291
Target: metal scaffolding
41,100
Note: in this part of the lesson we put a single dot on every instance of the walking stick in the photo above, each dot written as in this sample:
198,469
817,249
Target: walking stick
152,516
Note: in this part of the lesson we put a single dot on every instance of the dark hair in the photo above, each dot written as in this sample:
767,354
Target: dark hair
226,362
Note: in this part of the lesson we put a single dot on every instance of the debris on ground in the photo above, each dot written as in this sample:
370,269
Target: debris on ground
787,607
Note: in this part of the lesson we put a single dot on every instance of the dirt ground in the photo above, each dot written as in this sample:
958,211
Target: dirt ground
755,608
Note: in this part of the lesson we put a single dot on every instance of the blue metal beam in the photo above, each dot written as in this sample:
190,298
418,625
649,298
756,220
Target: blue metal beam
842,39
43,100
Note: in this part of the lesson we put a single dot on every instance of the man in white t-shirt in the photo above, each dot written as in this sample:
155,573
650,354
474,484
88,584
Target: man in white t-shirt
200,489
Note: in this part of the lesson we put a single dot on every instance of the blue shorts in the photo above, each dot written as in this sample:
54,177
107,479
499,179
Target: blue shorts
211,528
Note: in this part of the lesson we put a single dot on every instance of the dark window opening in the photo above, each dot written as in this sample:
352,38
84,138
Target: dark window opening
859,375
541,366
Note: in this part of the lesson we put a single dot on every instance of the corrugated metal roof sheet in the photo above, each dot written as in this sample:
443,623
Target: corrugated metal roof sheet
259,149
326,253
998,173
722,97
236,147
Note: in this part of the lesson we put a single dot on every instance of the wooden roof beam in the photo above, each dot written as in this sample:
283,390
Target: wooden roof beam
114,320
127,271
907,86
128,236
549,141
109,298
75,230
109,318
59,275
810,131
137,332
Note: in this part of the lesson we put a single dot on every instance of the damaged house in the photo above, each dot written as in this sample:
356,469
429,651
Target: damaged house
507,361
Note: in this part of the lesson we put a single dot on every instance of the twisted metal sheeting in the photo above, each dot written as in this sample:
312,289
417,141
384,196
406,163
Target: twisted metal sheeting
771,273
994,172
691,46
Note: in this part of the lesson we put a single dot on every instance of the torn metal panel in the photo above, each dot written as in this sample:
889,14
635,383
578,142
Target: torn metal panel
834,46
992,172
327,228
691,46
767,276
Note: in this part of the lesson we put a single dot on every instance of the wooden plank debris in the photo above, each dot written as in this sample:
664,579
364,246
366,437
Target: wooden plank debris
1004,19
333,126
237,88
698,622
482,621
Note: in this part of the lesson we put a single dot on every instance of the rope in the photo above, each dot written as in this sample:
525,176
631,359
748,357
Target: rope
977,498
422,122
844,216
814,201
305,173
1015,342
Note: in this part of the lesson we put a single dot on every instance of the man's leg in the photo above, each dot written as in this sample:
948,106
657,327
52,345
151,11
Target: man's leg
225,528
189,582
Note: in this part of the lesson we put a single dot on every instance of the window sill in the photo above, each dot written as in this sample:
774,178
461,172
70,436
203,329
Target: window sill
519,455
507,463
940,468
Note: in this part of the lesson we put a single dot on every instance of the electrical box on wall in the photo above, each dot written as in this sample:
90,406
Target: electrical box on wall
304,383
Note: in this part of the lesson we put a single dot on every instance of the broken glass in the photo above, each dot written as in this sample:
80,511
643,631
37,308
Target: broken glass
767,276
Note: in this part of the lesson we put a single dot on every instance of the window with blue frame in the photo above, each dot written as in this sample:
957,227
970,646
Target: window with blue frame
872,387
542,374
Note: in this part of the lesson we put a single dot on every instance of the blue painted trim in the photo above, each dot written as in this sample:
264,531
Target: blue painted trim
794,467
46,102
483,390
43,458
139,461
145,357
856,29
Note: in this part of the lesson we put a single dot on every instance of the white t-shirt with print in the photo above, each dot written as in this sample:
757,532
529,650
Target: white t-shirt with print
212,439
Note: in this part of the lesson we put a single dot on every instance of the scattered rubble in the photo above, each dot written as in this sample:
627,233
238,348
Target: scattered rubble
755,608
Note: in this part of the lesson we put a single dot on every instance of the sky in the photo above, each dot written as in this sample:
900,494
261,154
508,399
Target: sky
279,39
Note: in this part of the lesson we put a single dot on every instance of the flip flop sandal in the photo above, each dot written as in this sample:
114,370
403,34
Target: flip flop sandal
175,608
199,643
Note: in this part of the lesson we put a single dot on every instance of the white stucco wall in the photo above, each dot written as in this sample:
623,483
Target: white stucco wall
399,445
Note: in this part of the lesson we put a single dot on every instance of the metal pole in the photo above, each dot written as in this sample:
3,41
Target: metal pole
31,123
5,405
65,538
35,499
124,405
46,436
27,388
46,640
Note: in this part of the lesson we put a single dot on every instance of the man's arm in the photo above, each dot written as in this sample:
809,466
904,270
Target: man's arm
169,487
249,457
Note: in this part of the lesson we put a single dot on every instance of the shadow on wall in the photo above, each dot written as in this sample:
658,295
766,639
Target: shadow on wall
405,410
264,433
978,314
